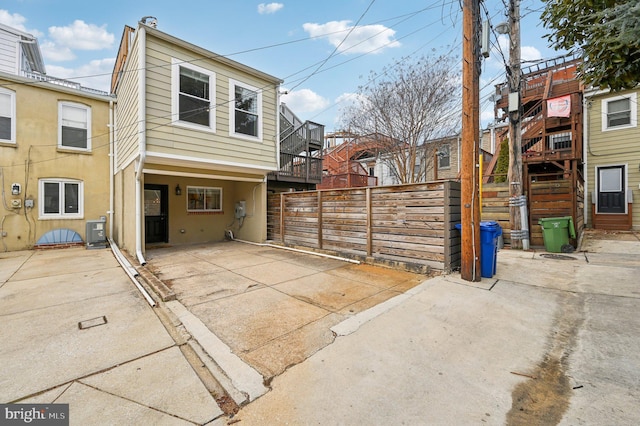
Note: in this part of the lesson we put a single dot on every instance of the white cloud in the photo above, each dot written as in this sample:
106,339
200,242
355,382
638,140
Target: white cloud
267,8
82,36
530,53
16,21
363,39
527,53
97,73
56,54
304,101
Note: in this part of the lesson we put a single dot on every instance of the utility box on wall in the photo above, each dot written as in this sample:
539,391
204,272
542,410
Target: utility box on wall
96,236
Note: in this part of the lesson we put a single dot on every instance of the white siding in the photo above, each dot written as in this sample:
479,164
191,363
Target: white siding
612,147
8,53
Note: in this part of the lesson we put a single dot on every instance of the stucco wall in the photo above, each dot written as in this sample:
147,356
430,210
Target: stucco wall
36,155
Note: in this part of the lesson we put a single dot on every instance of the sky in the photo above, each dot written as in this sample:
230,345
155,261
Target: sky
322,50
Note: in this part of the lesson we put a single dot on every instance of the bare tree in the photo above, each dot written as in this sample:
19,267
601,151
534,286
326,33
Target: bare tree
405,106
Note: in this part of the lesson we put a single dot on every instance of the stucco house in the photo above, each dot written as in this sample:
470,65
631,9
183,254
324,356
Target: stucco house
612,168
195,136
54,151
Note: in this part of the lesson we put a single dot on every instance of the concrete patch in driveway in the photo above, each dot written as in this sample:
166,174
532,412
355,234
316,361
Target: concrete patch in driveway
42,292
60,262
54,347
187,269
247,321
139,380
377,276
274,272
10,262
329,292
89,406
275,356
204,288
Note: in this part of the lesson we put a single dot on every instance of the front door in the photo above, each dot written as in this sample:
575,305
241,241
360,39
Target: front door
155,214
611,190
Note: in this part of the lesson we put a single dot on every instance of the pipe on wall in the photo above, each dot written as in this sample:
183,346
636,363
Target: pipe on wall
142,148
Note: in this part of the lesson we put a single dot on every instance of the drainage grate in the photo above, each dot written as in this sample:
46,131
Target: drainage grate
93,322
557,256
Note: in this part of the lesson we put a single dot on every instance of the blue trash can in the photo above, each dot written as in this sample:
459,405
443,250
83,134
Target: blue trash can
489,233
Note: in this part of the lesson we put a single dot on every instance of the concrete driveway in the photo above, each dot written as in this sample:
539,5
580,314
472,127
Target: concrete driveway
550,339
75,331
272,307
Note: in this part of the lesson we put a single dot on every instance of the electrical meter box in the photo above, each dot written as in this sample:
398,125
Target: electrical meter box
96,234
241,209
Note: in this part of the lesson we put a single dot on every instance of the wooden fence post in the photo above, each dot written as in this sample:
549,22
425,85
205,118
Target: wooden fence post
282,204
320,220
369,222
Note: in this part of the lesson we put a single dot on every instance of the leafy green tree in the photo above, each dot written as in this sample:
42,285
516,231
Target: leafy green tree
607,32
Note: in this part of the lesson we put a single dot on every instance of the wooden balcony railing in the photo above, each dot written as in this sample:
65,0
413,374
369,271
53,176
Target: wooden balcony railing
347,180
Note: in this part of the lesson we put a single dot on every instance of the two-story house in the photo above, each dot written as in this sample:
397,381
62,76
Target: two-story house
54,151
196,135
612,152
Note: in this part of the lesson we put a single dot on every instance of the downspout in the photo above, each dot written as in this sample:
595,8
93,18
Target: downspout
111,169
142,136
585,159
278,129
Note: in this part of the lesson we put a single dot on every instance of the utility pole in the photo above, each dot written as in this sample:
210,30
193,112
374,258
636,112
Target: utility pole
514,175
470,204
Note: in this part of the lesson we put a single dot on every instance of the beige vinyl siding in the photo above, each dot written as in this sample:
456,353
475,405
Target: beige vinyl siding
165,138
613,147
127,133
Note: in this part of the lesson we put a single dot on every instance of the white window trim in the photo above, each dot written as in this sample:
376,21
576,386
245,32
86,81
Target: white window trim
62,215
232,111
448,145
625,183
74,105
633,105
204,210
175,96
12,94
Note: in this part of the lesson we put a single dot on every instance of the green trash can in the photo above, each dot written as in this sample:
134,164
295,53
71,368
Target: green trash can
556,232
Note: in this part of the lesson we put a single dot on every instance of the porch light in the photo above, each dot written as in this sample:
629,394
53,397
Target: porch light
178,190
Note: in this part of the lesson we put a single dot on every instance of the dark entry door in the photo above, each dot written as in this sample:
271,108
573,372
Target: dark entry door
156,220
611,190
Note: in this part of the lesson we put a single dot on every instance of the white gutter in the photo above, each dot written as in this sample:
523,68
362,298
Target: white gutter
277,129
130,271
142,148
111,168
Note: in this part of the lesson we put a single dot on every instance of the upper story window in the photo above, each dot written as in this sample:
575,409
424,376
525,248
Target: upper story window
61,199
204,199
193,92
619,112
74,126
444,156
246,110
7,116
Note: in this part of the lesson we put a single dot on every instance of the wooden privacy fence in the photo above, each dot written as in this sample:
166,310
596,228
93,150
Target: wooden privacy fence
412,225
